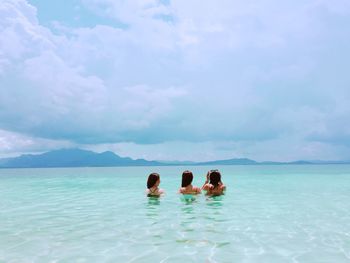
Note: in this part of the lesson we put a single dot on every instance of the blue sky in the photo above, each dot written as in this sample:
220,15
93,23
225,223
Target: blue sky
176,80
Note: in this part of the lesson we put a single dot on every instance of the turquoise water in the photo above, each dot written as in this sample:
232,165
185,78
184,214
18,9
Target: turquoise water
269,214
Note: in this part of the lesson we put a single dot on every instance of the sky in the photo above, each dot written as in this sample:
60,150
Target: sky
176,80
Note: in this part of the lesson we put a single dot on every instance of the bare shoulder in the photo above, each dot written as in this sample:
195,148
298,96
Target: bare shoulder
197,190
206,187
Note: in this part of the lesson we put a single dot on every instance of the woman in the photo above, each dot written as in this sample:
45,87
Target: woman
213,185
186,184
153,182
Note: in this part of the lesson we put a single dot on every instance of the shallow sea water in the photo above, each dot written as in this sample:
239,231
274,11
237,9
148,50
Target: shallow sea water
269,214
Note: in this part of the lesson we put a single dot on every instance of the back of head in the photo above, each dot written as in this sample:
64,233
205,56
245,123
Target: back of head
152,179
215,178
187,178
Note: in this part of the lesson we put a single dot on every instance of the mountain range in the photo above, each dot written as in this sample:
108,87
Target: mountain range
84,158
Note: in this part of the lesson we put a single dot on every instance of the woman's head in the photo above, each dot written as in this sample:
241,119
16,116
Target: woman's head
152,180
187,178
215,177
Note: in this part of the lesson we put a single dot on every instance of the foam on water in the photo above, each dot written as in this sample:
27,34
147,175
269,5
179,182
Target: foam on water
269,214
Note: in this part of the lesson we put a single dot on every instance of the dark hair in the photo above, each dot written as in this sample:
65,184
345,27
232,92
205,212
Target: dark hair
187,178
152,179
215,177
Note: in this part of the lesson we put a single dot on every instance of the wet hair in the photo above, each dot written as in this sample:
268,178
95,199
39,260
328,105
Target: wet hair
215,177
152,179
187,178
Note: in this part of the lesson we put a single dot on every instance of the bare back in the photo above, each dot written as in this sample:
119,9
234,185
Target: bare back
217,190
190,190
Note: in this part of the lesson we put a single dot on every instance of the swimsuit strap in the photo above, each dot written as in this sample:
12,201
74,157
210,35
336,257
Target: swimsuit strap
153,191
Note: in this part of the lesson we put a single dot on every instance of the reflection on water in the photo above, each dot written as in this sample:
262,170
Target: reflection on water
188,215
187,209
214,211
152,206
153,200
188,198
215,201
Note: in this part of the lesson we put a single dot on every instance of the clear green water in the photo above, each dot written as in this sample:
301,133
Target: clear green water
269,214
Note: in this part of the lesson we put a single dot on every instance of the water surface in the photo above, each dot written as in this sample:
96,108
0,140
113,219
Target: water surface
269,214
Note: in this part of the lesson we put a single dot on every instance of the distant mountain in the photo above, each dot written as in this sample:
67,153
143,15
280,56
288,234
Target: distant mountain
83,158
177,163
237,161
284,163
329,162
72,158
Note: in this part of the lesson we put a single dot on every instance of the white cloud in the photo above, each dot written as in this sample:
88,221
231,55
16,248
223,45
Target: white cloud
13,144
56,91
281,149
198,71
21,35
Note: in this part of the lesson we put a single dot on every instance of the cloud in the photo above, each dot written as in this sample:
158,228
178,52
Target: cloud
57,95
13,144
197,72
268,150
